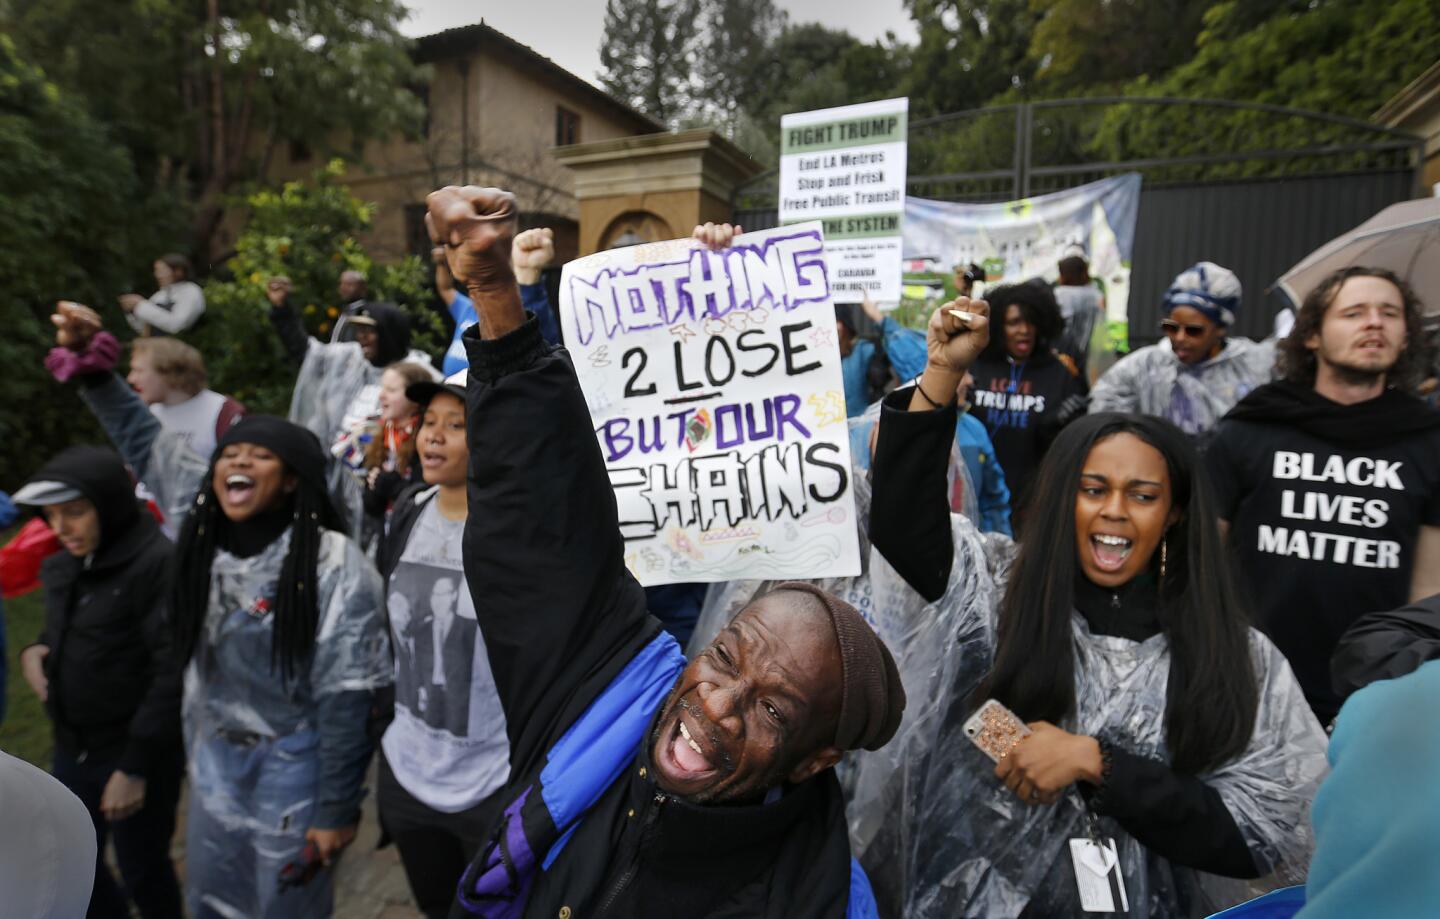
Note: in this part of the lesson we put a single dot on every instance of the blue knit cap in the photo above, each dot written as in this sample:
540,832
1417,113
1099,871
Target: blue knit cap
1207,287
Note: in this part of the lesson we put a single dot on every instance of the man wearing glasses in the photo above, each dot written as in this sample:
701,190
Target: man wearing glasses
1197,372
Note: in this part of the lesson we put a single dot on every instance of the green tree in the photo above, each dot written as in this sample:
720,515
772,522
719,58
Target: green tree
1343,57
646,55
64,234
969,53
1085,45
202,93
737,60
306,231
817,67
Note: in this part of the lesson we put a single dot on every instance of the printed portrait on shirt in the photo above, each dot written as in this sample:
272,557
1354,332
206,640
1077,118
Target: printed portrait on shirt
433,619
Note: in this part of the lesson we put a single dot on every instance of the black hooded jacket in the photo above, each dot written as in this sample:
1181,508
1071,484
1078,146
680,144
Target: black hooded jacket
114,689
391,325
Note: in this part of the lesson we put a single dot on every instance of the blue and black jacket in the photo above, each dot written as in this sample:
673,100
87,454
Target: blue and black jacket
582,669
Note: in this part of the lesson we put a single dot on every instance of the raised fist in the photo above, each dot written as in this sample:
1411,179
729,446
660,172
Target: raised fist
277,289
476,226
532,251
952,342
75,324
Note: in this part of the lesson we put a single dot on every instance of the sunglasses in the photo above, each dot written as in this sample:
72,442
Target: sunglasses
1171,327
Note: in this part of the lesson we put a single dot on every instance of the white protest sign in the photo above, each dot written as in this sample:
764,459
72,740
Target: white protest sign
713,380
846,167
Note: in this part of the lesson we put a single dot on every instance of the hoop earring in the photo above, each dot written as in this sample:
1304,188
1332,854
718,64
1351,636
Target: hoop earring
1162,557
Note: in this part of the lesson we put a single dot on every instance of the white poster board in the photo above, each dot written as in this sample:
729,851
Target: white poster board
713,381
846,167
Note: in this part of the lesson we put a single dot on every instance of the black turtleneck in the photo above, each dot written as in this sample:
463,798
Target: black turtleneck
1128,611
249,537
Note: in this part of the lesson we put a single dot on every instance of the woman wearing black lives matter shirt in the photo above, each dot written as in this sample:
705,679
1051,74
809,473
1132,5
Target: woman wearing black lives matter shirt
1330,478
1021,385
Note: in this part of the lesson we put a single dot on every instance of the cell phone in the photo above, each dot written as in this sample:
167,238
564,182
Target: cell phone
995,729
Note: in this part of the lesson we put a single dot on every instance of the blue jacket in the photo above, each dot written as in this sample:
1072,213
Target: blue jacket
985,474
462,310
865,371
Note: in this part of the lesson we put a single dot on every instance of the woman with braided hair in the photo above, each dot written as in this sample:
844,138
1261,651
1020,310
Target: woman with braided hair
278,622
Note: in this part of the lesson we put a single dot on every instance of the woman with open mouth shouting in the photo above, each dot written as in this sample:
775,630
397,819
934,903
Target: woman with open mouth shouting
278,622
1166,742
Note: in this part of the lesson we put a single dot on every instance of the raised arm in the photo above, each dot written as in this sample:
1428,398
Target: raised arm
157,456
910,505
542,549
286,321
530,253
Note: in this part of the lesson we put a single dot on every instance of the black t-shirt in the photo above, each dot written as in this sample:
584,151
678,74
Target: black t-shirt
1018,402
1325,531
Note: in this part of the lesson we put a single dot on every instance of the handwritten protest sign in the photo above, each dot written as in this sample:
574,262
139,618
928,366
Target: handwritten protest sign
846,166
713,380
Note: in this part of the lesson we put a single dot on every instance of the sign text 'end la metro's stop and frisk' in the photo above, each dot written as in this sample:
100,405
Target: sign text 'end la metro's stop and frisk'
846,168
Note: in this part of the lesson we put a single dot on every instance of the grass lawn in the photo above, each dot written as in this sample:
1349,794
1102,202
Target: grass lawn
25,732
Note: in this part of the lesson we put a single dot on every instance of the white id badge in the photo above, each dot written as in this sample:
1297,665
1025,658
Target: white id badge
1097,875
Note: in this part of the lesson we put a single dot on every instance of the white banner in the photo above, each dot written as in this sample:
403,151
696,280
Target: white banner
1024,239
713,380
846,167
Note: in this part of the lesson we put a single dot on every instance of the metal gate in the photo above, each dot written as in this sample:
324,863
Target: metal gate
1250,186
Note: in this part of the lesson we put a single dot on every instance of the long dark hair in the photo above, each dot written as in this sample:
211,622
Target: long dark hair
1212,697
296,613
1297,363
1037,304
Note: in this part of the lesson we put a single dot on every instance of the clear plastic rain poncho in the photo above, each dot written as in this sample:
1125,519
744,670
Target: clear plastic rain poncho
1153,381
253,741
940,836
336,389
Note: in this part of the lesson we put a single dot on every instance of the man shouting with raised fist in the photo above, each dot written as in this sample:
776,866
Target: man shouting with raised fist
640,784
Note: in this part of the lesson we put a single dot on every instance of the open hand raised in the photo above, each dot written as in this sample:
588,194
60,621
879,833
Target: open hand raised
476,226
717,235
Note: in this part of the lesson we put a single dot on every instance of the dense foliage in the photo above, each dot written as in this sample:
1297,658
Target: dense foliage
306,231
202,92
66,232
1336,56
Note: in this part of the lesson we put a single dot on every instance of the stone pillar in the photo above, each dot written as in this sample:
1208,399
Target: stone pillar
653,187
